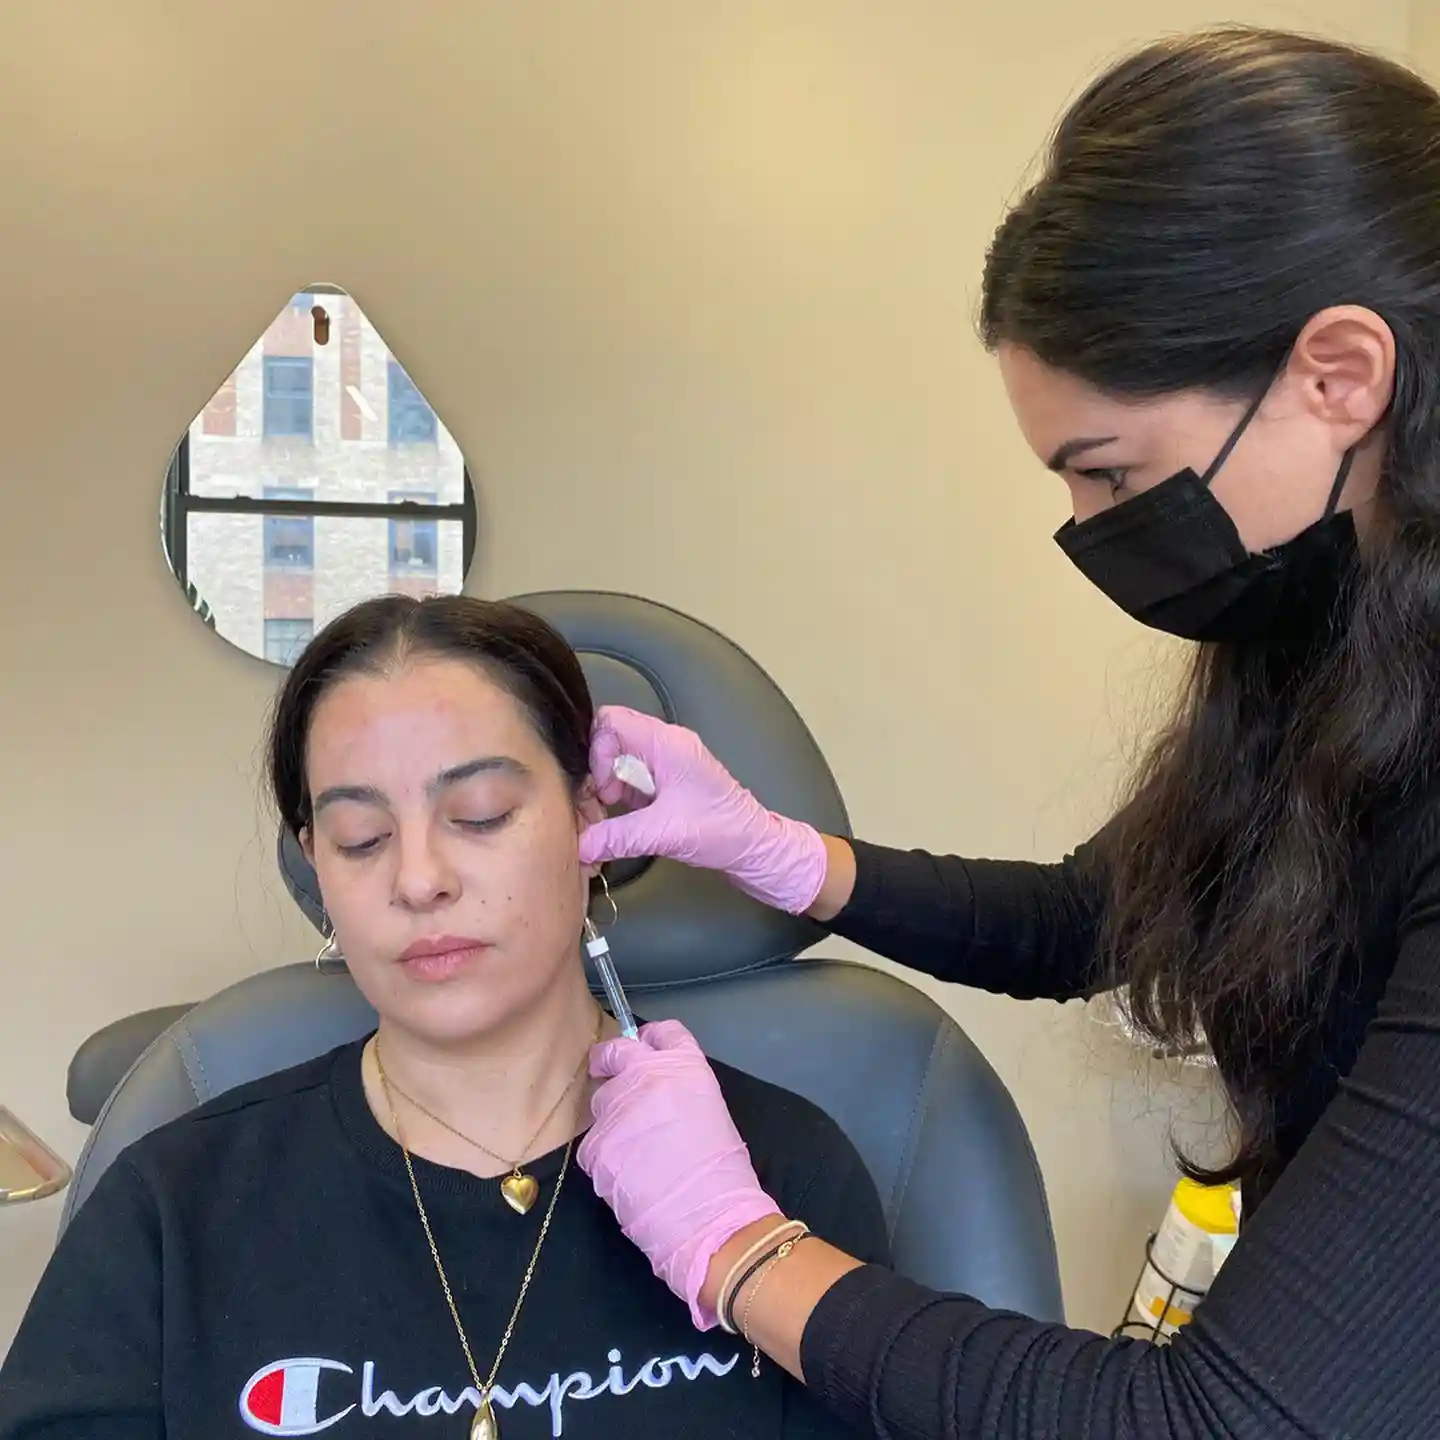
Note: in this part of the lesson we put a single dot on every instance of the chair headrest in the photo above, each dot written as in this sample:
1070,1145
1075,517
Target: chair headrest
678,924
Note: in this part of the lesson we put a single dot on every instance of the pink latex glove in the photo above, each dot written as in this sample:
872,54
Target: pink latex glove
665,1156
700,814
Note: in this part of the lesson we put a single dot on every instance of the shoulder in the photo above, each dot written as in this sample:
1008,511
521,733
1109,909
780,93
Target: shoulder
805,1161
807,1164
769,1116
1405,859
261,1114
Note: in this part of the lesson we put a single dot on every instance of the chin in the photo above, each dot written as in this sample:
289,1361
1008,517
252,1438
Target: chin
457,1012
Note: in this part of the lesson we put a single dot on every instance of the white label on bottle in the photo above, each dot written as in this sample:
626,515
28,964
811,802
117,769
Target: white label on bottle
1184,1254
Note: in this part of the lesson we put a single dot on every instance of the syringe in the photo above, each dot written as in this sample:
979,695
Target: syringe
598,949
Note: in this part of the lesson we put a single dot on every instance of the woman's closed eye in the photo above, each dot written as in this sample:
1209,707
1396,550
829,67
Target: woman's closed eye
470,825
1113,477
481,827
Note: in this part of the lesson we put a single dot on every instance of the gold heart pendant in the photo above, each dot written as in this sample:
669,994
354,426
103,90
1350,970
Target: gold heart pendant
520,1191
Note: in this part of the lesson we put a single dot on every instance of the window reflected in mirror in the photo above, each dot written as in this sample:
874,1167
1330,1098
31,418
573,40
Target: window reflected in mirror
317,475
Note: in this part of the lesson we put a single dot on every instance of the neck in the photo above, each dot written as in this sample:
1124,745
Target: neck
497,1088
1361,485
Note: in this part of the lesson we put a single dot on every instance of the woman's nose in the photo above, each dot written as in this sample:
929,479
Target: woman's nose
1087,501
423,876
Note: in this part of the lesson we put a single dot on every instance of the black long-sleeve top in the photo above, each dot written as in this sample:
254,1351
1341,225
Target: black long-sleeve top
1324,1322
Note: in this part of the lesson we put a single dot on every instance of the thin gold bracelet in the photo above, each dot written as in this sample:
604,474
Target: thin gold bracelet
754,1266
760,1279
748,1258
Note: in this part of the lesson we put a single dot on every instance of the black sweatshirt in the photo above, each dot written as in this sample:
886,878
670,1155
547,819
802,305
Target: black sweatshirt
258,1268
1324,1322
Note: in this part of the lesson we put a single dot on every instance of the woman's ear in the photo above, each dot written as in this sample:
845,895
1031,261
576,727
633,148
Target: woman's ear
589,810
1345,360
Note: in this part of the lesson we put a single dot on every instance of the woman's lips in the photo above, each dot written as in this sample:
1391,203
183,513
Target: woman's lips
441,957
441,945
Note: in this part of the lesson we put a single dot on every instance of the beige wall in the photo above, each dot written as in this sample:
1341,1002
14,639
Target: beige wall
692,285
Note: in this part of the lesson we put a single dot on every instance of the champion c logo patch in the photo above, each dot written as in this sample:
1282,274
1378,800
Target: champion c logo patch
283,1398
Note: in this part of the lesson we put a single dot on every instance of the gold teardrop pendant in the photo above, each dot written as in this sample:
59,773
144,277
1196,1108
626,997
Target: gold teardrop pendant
485,1427
520,1191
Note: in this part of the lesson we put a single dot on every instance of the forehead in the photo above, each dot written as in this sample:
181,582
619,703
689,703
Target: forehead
421,717
1054,407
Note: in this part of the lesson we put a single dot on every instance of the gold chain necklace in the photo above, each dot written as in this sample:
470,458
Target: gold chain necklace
519,1189
484,1426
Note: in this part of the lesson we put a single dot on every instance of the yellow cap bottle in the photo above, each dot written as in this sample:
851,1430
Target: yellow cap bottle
1211,1207
1185,1255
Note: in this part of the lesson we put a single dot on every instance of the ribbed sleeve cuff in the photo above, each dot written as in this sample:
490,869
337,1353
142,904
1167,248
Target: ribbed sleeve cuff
851,1331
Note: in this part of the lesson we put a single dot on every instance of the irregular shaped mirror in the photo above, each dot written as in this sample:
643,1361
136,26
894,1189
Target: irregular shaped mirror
317,476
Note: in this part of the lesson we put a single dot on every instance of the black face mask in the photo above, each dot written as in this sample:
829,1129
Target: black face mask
1173,559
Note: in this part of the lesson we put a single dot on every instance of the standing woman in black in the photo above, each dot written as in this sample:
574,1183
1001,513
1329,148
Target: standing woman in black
1217,315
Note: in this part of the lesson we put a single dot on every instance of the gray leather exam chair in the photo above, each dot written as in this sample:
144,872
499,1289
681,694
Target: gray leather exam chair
940,1133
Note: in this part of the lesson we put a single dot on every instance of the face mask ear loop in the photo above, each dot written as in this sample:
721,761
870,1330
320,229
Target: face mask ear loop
1235,435
1339,485
1244,424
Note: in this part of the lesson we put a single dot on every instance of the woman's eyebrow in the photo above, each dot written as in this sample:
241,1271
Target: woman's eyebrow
358,794
1071,448
372,795
479,766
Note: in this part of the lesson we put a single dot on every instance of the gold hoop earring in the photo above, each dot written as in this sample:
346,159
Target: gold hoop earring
609,898
330,958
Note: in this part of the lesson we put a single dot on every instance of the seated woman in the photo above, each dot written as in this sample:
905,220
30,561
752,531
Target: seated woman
394,1239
